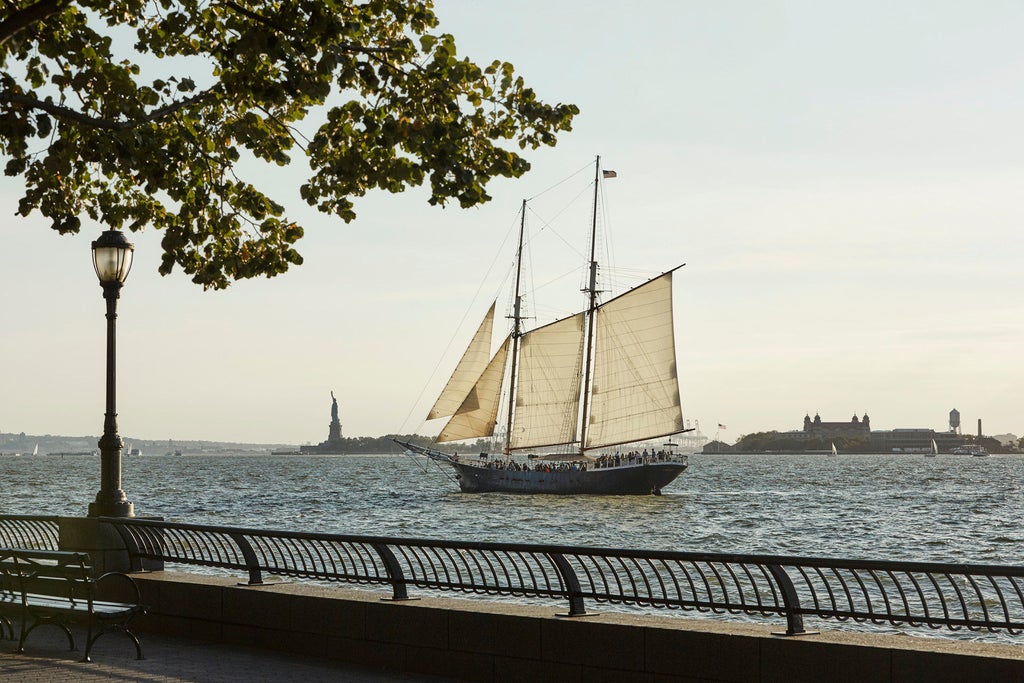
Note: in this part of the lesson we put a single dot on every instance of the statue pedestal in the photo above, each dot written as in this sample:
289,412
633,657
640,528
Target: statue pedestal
334,433
334,444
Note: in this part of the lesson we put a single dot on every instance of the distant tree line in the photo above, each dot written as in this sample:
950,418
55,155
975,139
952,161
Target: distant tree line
759,442
776,442
371,445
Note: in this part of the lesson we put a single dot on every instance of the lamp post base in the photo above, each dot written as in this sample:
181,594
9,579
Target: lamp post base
112,509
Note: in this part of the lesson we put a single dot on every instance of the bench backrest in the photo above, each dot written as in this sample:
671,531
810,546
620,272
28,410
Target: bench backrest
47,572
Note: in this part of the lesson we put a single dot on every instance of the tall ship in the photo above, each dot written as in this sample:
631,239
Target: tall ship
601,386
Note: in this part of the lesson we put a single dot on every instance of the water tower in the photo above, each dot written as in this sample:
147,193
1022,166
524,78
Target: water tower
954,421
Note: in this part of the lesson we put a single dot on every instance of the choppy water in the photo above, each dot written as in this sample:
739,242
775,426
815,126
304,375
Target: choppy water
942,509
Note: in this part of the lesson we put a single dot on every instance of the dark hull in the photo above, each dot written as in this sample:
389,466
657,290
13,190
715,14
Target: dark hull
629,480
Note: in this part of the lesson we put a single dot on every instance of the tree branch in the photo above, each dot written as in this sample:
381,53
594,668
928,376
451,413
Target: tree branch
68,114
175,107
21,18
60,111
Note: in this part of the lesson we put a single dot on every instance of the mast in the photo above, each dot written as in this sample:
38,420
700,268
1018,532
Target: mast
591,291
516,334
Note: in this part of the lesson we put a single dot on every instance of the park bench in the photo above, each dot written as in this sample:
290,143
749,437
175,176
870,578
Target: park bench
40,587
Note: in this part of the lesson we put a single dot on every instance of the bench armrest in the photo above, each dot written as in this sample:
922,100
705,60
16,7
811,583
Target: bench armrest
123,577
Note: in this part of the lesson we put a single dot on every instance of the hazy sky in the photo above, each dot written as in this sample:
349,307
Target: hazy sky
842,179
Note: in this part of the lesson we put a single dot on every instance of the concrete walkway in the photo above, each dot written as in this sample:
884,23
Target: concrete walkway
48,660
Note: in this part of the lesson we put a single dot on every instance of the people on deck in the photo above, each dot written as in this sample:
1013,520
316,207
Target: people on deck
604,461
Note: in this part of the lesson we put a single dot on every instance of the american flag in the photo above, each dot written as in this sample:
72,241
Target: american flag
609,174
721,426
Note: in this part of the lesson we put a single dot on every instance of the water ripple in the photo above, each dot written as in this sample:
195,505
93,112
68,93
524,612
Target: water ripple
944,509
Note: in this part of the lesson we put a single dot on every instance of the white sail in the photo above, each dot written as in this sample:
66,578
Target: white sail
548,386
467,372
635,393
475,417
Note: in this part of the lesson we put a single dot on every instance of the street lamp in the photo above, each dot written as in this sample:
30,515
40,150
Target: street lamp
112,259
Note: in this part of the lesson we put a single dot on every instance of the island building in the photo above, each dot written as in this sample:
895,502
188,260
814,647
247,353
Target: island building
334,444
906,440
854,429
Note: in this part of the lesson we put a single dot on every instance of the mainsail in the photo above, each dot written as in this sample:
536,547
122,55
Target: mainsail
635,392
548,389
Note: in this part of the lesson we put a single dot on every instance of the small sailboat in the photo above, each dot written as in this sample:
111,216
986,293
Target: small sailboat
598,380
934,451
35,451
834,451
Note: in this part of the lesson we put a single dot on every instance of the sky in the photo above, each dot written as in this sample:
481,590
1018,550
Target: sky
841,179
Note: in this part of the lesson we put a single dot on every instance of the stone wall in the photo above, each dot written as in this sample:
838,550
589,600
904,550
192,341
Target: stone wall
483,640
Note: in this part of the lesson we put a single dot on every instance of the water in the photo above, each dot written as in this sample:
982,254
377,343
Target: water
943,509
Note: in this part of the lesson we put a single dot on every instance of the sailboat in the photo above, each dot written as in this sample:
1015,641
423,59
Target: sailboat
35,451
834,451
595,381
934,451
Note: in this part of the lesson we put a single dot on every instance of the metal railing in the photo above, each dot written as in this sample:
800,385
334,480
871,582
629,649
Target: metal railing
918,594
33,532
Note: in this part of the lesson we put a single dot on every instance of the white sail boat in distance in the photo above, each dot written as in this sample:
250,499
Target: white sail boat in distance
595,381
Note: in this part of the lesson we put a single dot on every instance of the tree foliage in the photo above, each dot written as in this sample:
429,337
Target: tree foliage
161,113
781,442
366,445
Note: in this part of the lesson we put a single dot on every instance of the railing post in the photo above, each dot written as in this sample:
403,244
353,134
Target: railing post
251,563
791,601
572,585
394,570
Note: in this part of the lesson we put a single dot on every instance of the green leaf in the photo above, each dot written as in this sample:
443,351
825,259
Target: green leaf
237,82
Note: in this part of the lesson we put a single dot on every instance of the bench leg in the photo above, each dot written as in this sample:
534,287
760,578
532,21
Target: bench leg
123,629
25,631
7,634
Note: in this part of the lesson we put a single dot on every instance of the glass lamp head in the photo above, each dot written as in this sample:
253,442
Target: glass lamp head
112,257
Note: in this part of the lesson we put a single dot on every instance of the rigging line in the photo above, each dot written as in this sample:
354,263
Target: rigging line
555,279
458,327
587,167
547,225
422,467
443,470
604,245
529,275
606,229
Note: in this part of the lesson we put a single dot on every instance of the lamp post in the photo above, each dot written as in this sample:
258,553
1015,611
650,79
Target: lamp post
112,259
